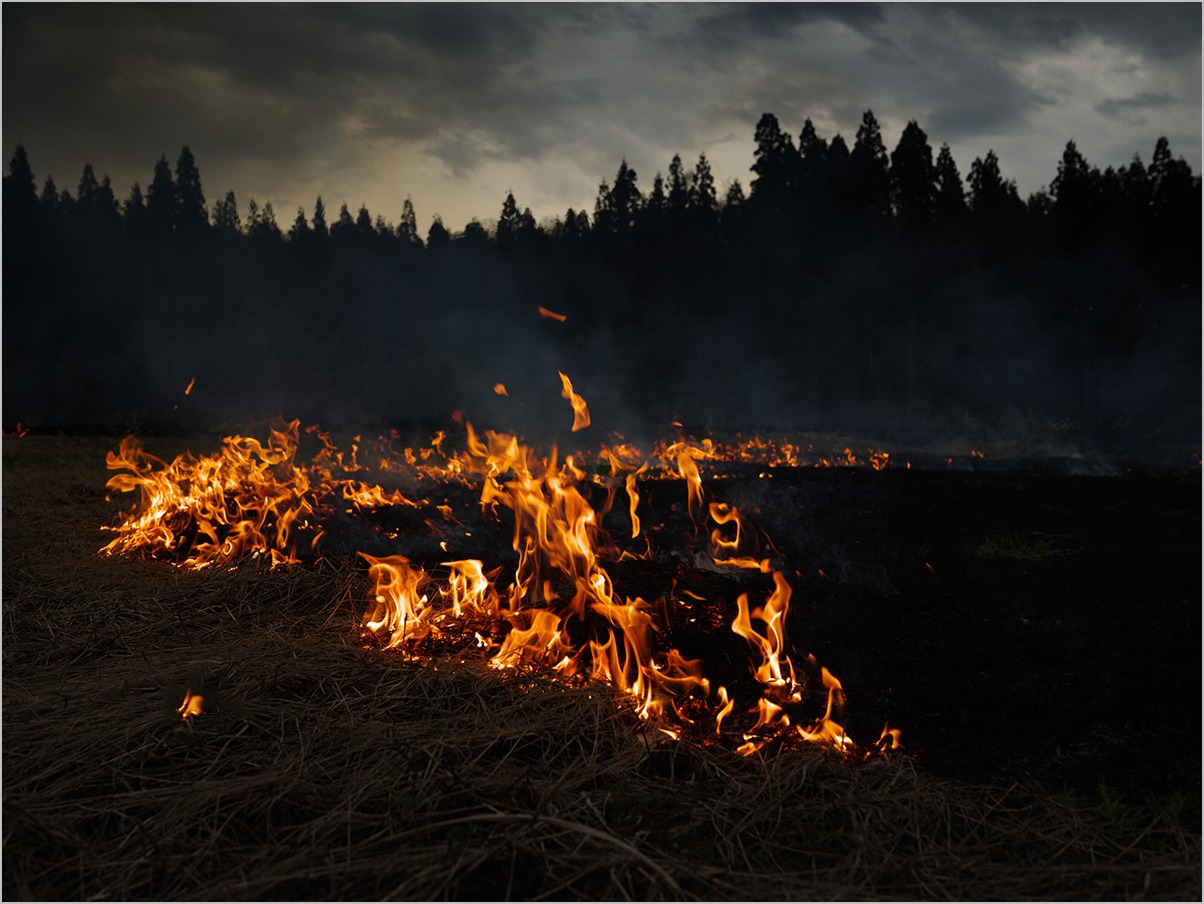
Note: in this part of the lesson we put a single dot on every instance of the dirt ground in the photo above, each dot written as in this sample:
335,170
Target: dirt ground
1035,635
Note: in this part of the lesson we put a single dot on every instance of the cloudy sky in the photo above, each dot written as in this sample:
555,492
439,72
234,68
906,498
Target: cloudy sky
453,105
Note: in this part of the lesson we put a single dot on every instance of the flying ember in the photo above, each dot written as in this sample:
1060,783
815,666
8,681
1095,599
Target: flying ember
562,594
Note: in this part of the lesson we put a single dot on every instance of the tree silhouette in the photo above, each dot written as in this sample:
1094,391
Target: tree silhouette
702,192
868,174
49,202
407,226
437,237
626,199
162,201
913,181
225,216
299,231
20,194
813,172
507,224
950,200
1077,194
320,230
192,217
774,161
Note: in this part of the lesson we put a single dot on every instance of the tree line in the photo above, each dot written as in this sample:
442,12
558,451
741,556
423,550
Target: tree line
855,285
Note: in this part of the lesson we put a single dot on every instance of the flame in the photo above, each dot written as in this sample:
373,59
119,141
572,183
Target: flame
191,707
558,610
500,389
551,315
580,411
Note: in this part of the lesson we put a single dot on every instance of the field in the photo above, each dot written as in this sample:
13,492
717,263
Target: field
1035,636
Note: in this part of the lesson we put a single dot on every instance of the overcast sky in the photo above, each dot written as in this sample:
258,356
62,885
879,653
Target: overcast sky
453,105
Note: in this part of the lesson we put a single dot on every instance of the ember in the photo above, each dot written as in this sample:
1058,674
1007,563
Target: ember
559,611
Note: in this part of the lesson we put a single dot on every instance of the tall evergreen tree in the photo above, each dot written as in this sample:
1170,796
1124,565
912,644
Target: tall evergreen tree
133,212
320,230
813,154
626,199
774,160
225,216
950,200
990,194
162,200
869,176
913,180
507,224
407,226
192,216
299,231
20,192
1076,192
702,189
437,237
679,191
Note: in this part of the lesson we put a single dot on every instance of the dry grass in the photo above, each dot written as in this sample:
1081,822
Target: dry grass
323,770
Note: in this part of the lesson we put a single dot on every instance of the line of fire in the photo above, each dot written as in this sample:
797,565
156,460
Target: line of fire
699,648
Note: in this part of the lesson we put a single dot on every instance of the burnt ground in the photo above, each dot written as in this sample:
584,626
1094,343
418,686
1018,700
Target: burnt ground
1012,624
1016,625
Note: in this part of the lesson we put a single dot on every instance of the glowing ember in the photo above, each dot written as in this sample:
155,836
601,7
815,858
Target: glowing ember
191,707
551,315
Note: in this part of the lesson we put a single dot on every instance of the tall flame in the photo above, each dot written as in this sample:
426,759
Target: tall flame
558,611
580,411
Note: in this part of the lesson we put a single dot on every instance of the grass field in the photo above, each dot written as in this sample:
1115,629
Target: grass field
322,769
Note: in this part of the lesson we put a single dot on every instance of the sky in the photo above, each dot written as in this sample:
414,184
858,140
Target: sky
454,105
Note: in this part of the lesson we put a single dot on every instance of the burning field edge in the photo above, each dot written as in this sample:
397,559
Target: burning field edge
324,770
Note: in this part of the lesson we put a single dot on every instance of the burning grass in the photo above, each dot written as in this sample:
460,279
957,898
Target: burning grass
323,770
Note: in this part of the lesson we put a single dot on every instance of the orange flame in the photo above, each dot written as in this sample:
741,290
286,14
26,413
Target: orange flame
500,389
191,707
551,315
559,611
580,411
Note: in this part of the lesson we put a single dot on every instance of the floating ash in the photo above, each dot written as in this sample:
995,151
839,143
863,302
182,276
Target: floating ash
682,612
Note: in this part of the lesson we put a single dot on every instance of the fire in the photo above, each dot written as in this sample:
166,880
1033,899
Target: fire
188,388
551,315
580,411
500,389
191,707
559,609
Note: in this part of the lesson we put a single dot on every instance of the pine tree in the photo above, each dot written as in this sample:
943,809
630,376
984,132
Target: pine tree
437,236
626,199
162,200
225,216
774,161
407,227
507,224
320,230
869,175
192,216
20,192
913,180
299,231
133,212
950,200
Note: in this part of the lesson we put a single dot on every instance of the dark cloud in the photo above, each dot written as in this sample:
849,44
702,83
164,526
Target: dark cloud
1128,109
312,91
